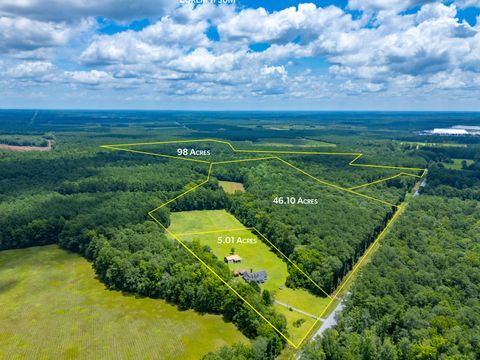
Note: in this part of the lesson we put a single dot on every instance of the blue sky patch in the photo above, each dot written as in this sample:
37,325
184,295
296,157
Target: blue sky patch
212,33
109,27
259,47
469,15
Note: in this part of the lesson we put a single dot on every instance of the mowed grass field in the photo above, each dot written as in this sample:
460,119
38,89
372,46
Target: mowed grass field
203,220
296,332
255,256
52,307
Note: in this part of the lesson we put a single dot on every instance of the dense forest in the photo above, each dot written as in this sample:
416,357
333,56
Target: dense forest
95,203
419,297
323,239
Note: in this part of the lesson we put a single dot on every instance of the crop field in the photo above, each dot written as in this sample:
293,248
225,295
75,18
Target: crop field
331,191
222,233
278,187
48,293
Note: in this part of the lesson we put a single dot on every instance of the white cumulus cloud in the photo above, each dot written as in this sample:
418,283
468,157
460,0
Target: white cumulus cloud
71,10
311,52
19,34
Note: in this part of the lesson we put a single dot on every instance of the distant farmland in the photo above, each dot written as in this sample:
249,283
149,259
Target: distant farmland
53,307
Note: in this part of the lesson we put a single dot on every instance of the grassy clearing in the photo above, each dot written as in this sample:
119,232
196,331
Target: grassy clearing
299,331
203,220
54,308
303,143
24,140
457,164
256,256
231,187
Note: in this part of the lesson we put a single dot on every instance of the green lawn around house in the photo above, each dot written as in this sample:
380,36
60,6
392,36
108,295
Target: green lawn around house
255,254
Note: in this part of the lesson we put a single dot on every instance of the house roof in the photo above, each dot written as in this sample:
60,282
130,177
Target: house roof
233,258
260,276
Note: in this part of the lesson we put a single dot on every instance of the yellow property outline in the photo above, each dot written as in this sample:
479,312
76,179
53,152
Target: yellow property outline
357,156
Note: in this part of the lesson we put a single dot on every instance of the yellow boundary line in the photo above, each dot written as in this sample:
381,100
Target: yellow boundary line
384,179
222,280
336,186
357,156
255,230
154,154
290,261
369,250
261,235
269,242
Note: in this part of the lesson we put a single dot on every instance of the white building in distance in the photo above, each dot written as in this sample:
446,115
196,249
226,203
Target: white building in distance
457,130
449,132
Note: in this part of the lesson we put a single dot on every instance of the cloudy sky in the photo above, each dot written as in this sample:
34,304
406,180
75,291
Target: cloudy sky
263,54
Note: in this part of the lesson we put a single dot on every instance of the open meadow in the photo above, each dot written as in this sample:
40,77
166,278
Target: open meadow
54,308
457,164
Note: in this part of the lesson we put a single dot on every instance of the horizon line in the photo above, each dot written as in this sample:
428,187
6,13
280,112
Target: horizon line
238,110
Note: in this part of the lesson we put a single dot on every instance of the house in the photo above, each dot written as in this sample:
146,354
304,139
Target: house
232,259
258,277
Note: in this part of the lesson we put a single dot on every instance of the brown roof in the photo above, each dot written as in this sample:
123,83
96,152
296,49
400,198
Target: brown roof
233,258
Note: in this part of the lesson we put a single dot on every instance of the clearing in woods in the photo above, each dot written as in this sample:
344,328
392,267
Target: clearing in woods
202,152
457,164
26,148
231,187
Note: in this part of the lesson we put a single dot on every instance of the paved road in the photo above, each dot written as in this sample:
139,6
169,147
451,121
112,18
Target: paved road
295,309
331,320
328,323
